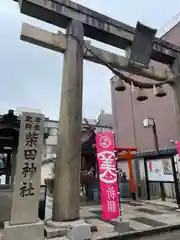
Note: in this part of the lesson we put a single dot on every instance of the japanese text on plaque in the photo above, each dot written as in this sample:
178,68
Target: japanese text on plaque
32,134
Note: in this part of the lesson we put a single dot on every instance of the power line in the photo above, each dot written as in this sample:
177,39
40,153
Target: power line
163,30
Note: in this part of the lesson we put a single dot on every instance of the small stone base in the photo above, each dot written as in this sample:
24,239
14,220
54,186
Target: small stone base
55,229
79,230
30,231
70,229
122,227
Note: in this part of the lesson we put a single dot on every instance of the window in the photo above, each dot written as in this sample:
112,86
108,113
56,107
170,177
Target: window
46,130
107,129
103,129
52,131
98,129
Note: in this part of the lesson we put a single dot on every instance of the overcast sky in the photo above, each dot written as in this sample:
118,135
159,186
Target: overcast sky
31,76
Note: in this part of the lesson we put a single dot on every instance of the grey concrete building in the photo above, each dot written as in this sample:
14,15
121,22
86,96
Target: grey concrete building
128,113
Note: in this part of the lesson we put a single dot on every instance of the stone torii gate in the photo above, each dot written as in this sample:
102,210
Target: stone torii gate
79,22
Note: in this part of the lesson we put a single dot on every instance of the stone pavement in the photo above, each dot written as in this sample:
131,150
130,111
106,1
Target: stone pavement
162,236
171,203
140,215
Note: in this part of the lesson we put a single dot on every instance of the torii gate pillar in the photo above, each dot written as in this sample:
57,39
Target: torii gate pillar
66,193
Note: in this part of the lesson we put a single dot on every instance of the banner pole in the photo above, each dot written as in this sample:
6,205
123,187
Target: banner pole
116,158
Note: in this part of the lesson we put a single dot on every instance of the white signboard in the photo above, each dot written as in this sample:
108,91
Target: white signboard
177,165
160,170
2,179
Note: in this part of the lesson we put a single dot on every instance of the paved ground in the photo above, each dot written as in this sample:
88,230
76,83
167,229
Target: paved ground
139,215
168,203
164,236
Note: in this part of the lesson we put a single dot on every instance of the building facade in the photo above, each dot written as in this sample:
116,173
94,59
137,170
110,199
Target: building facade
51,128
101,124
128,113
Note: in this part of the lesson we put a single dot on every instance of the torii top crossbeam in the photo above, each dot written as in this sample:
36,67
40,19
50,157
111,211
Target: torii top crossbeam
96,25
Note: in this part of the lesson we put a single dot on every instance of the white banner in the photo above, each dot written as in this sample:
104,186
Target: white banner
160,170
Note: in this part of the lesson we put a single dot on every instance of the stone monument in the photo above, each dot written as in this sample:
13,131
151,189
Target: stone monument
24,223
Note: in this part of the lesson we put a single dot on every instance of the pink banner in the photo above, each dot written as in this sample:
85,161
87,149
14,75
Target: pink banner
107,175
178,149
